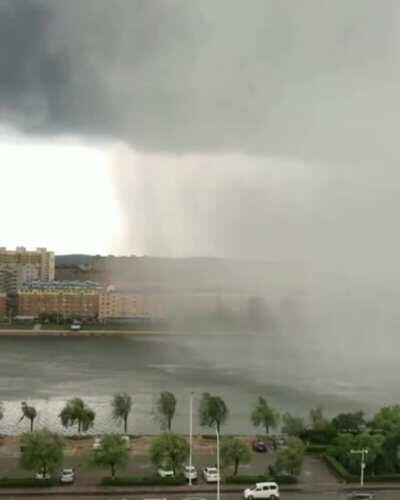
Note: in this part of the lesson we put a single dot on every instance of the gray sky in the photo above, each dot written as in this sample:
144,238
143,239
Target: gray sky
261,128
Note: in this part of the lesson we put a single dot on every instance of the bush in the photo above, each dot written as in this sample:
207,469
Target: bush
285,479
382,478
26,482
338,469
281,478
323,436
211,437
144,481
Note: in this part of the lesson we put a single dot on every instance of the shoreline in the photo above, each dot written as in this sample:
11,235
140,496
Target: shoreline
83,333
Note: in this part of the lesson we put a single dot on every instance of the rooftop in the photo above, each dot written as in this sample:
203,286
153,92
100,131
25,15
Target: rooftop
60,285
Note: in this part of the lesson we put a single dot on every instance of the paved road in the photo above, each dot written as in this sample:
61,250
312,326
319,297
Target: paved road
384,495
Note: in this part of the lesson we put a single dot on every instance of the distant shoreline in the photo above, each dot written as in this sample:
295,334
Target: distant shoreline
82,333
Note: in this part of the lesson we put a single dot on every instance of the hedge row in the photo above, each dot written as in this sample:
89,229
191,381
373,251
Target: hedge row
344,474
143,481
389,478
26,482
247,479
338,469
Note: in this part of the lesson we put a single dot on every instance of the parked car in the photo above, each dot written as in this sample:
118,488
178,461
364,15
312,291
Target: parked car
96,443
190,472
67,476
211,474
280,442
75,326
127,441
268,490
165,472
41,475
360,495
260,446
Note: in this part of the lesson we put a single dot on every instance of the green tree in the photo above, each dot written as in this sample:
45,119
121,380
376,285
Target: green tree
344,443
293,426
290,460
166,406
122,406
212,411
387,419
76,412
28,412
264,415
169,451
112,454
42,451
318,421
234,452
349,422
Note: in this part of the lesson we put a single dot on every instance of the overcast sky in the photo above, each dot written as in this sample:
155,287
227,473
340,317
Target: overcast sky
263,129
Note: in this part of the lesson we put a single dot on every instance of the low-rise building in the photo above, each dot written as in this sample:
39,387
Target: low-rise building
128,304
60,299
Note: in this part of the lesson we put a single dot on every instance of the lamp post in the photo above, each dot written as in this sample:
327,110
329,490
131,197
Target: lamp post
218,465
362,452
190,438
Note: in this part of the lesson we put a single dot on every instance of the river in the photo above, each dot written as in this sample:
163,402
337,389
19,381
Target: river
293,374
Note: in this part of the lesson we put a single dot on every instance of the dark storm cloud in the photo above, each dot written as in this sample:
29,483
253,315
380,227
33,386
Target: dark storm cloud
272,125
314,79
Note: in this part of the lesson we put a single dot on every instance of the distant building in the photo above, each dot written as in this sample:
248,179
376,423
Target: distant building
20,265
3,305
61,299
128,304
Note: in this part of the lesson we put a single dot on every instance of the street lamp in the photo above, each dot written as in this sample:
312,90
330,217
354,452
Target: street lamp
218,463
362,452
190,438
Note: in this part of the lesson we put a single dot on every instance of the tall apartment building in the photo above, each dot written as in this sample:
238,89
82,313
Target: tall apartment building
20,266
64,299
125,304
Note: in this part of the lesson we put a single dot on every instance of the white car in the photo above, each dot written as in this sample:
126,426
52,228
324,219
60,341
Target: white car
165,472
190,472
268,490
127,441
67,476
210,474
96,443
41,475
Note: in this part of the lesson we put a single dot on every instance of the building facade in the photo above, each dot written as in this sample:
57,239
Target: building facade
3,305
59,299
125,304
20,266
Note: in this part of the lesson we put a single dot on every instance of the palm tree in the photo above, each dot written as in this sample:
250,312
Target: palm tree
212,411
166,406
264,415
122,405
28,412
76,412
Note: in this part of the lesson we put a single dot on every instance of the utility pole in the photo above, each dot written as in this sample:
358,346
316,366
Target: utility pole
218,466
361,452
190,438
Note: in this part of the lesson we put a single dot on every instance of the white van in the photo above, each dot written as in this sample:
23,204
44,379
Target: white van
262,490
